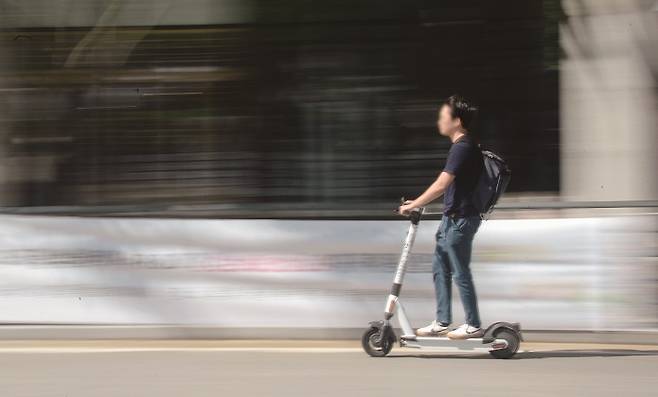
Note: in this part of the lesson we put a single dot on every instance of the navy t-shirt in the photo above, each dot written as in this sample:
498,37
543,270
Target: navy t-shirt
465,163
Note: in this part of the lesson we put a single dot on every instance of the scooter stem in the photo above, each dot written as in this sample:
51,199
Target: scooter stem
414,217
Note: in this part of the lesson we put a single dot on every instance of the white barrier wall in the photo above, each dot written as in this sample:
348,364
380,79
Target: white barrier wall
582,273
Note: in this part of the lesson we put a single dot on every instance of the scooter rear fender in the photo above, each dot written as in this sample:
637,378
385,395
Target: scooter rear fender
491,330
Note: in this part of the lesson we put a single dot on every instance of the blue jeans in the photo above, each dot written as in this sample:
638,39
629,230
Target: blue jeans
452,258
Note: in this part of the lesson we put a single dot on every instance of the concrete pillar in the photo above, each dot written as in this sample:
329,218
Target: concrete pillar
608,104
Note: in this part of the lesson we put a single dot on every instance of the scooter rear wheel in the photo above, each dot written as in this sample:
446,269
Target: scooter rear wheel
513,342
370,345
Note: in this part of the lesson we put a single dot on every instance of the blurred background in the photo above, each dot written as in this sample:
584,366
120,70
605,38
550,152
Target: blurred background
235,163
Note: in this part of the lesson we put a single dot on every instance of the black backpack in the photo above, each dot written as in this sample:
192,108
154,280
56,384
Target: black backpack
492,183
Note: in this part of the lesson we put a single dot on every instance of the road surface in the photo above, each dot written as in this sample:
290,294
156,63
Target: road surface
322,368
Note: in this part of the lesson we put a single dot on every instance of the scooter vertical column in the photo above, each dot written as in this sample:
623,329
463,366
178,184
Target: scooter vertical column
402,264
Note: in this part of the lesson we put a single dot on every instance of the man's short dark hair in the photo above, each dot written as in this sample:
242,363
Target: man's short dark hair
462,109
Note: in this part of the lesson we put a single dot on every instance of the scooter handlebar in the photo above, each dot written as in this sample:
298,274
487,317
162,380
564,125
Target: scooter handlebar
415,213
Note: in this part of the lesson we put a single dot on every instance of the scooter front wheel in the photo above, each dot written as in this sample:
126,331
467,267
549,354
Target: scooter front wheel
370,345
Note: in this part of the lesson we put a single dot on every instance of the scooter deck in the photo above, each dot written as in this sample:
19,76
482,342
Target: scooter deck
438,342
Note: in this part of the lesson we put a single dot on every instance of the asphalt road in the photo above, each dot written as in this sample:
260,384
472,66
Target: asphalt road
197,368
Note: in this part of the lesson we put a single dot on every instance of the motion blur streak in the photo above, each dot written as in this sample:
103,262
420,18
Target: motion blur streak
573,273
294,127
245,108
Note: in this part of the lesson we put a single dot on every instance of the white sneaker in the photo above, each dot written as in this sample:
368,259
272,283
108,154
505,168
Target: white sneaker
465,332
434,329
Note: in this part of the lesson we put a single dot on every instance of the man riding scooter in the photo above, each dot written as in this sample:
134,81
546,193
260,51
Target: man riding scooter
461,220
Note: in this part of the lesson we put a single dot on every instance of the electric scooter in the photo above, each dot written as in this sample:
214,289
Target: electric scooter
500,339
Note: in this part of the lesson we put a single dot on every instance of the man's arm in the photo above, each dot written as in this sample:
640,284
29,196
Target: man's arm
433,192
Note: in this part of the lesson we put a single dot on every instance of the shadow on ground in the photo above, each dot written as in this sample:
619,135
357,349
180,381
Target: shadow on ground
540,354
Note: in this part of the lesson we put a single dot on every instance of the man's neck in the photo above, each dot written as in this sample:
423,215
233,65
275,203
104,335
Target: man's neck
456,136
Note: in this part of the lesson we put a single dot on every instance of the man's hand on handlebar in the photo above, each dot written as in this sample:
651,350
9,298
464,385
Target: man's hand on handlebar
406,208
